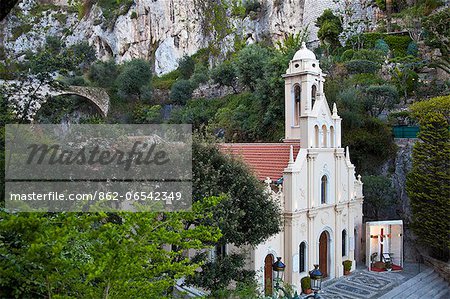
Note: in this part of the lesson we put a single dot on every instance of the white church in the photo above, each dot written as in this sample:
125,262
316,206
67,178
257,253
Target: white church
320,195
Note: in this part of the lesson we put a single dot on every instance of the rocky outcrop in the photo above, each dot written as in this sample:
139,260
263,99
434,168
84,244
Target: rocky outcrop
157,30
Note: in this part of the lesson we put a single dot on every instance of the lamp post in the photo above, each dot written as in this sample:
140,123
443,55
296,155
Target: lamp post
278,267
316,282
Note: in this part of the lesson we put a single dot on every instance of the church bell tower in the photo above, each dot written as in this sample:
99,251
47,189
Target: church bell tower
303,92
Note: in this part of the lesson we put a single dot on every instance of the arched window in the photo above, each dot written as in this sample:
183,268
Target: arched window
313,95
331,136
323,189
302,258
297,92
324,137
316,136
344,242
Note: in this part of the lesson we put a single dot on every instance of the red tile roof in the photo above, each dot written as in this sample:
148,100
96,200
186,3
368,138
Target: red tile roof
265,159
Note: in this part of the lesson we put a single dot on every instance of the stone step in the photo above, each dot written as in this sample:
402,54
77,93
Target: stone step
406,286
431,288
444,293
411,290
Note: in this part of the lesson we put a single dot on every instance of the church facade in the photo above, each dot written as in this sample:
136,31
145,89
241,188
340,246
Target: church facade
320,195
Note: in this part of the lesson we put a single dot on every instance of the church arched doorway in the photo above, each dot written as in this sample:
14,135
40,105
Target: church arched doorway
268,275
323,253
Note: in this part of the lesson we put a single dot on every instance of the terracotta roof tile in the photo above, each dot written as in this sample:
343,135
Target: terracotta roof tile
265,159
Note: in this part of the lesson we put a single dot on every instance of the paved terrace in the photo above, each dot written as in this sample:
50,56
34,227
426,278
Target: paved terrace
362,284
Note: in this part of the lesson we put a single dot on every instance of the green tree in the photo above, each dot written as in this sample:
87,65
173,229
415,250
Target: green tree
378,98
181,91
147,114
330,27
186,66
103,73
225,75
437,33
379,196
100,255
428,183
242,216
250,64
134,79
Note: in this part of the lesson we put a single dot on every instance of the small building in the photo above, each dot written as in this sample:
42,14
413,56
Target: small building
384,245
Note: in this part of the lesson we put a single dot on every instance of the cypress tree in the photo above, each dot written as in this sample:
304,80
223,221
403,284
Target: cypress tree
428,183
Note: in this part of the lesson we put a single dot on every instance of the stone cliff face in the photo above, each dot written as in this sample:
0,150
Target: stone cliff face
158,30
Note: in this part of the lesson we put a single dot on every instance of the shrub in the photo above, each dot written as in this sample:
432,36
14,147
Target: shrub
382,46
165,81
347,55
379,98
147,114
251,62
186,66
347,265
133,15
135,74
77,81
251,6
181,91
361,66
330,27
372,55
398,44
200,75
225,75
412,49
103,73
306,283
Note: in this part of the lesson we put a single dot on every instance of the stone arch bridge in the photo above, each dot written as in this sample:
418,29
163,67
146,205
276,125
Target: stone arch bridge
95,95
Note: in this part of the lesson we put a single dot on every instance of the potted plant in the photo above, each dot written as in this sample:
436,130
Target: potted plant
306,285
347,266
388,266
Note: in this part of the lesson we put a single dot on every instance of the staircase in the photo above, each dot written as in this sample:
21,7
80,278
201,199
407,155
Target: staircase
427,284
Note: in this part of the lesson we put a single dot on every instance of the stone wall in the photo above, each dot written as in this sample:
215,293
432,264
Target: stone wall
441,267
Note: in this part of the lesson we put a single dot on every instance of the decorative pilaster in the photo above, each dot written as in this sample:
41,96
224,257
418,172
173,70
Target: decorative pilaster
311,240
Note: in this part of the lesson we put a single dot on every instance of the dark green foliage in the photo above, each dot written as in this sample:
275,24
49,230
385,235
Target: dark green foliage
243,215
330,27
181,91
412,49
437,31
378,98
428,182
225,75
306,283
134,79
251,6
147,114
186,66
347,55
198,112
19,30
362,66
250,62
103,73
398,44
217,275
76,81
200,75
382,46
165,81
101,255
55,56
379,197
371,144
371,55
